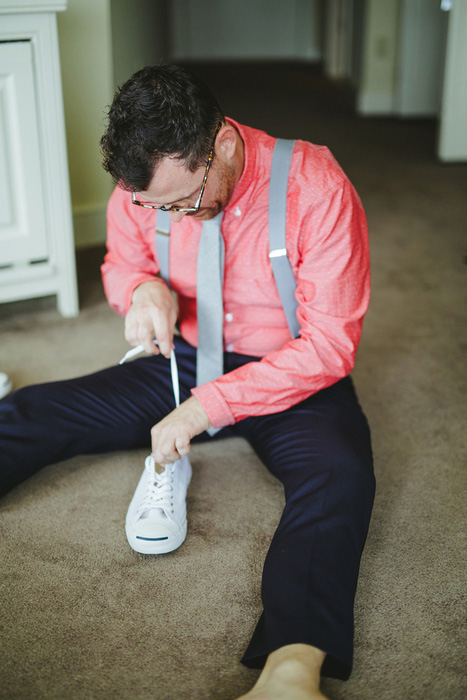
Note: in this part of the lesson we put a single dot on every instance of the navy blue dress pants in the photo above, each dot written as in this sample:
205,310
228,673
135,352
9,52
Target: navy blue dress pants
319,449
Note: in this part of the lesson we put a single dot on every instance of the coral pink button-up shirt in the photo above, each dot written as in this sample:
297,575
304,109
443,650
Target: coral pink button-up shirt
327,244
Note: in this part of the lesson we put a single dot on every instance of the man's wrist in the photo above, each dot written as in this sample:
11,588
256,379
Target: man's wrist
193,403
141,289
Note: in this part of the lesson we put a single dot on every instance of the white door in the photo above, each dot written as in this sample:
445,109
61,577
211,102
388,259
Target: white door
452,144
22,220
422,46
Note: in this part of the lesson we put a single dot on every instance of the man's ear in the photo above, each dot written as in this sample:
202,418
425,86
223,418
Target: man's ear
226,142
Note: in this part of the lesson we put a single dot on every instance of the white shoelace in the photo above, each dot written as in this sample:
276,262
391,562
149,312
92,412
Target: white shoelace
173,368
159,493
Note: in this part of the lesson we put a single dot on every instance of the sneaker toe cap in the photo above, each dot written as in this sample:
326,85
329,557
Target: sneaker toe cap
155,528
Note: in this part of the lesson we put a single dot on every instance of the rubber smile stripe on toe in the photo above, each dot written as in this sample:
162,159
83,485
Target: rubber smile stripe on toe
151,539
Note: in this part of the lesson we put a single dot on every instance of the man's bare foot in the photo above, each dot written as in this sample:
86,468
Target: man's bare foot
290,673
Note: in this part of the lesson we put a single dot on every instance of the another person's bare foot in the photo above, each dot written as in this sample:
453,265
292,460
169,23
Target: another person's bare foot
290,673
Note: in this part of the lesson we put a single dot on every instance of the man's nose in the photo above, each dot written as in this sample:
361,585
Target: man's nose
176,216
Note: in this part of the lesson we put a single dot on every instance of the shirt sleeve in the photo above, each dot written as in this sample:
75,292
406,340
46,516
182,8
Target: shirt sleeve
130,260
333,289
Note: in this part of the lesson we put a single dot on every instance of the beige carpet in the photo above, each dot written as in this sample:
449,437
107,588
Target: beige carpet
83,616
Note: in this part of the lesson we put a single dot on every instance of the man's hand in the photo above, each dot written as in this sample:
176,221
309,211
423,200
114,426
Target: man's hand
172,435
152,314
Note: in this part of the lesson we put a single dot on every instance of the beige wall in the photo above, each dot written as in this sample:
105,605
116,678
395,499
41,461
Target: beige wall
102,43
87,77
221,29
140,38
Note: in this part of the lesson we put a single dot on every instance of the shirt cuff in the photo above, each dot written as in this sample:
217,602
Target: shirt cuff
214,404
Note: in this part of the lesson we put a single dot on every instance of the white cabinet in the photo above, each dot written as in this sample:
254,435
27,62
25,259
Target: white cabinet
22,218
36,234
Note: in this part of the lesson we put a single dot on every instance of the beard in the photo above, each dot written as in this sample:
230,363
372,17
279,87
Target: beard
226,181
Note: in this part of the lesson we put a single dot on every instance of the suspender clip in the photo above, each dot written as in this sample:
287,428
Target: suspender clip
278,253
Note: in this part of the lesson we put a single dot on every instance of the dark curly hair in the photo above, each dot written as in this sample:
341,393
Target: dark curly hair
159,111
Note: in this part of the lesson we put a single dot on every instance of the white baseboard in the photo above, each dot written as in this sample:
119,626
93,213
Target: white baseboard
89,224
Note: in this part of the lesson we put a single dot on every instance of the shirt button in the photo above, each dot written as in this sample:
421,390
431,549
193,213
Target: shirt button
229,317
229,347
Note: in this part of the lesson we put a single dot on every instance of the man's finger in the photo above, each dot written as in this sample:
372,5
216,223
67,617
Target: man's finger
149,346
164,457
164,337
182,447
139,334
164,450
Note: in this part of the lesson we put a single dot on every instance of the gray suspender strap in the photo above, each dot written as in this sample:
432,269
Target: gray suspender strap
281,268
163,243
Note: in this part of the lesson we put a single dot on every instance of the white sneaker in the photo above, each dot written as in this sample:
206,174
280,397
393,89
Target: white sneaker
156,518
5,385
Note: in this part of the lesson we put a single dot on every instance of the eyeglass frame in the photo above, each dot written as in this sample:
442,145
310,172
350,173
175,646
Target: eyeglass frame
173,207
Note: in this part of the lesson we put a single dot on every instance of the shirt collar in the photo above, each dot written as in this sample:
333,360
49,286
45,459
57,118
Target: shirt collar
249,164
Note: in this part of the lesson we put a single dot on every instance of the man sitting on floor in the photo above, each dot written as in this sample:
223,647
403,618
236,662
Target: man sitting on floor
268,337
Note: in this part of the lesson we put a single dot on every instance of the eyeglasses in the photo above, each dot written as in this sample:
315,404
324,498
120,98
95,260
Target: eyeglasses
183,210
